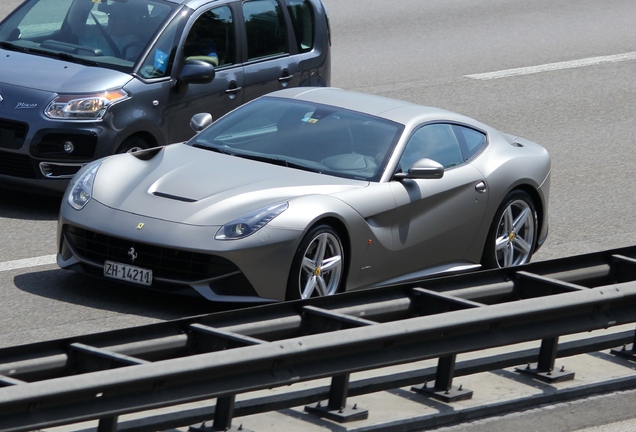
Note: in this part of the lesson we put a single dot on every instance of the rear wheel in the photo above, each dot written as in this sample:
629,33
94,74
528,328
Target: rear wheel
513,233
318,266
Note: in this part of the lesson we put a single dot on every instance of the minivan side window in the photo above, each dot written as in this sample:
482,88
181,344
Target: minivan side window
159,62
211,38
302,18
265,28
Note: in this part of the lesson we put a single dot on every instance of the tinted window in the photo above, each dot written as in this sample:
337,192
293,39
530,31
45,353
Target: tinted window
302,17
437,142
212,38
472,141
265,27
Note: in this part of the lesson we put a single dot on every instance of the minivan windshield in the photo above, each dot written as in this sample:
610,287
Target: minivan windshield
108,33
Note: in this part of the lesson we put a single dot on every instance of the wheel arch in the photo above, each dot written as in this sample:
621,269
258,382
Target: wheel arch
144,135
539,207
343,234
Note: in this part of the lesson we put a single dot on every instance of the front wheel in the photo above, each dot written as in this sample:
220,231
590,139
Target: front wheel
318,266
512,237
133,144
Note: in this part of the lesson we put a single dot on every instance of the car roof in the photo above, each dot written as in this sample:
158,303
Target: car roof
380,106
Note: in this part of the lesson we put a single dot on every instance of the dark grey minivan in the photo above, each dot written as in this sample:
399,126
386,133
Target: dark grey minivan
83,79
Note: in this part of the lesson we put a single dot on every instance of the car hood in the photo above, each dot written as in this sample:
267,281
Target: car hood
200,187
50,75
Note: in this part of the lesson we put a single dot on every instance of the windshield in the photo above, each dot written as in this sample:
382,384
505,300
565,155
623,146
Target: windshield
108,33
305,135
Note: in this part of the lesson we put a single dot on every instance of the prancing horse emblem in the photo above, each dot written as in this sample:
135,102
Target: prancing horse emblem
132,254
140,225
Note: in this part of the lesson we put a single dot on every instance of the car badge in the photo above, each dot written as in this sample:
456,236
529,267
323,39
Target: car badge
1,99
25,105
132,254
140,225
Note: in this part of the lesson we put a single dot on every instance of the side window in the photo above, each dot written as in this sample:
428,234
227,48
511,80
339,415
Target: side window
437,142
211,38
265,28
302,17
161,58
472,141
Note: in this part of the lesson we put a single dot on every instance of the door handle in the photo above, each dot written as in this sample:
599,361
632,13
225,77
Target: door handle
480,187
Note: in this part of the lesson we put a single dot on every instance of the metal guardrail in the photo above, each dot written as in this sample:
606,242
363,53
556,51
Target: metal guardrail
106,375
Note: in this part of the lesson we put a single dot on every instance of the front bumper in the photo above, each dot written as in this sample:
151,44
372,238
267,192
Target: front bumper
254,269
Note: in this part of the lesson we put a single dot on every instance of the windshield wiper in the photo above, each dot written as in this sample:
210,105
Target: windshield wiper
59,55
13,47
213,148
278,161
69,57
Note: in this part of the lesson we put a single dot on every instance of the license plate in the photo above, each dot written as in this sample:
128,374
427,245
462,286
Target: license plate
127,273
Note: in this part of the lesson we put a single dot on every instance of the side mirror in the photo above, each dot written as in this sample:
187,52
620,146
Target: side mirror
423,169
197,72
200,121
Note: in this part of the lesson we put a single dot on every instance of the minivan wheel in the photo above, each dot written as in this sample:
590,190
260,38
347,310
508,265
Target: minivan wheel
133,144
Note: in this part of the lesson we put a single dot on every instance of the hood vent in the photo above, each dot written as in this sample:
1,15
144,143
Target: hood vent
173,197
147,154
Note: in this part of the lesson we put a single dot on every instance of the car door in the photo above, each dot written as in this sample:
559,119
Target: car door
269,64
211,36
436,219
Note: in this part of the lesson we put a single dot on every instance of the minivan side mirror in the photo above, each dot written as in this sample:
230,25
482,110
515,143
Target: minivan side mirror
197,72
422,169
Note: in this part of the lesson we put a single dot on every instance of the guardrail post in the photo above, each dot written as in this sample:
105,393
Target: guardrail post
223,414
627,351
443,389
543,370
108,424
337,408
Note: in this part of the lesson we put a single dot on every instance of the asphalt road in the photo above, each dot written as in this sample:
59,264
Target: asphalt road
567,83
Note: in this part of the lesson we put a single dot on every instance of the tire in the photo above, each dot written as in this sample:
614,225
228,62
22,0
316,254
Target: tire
133,144
318,266
512,237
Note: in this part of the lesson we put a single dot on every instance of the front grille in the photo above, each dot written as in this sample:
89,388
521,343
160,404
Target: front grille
165,263
16,165
12,134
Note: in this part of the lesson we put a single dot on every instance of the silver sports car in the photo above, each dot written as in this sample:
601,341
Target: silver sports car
309,192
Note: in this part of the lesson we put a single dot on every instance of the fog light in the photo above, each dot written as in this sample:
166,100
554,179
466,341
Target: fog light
69,147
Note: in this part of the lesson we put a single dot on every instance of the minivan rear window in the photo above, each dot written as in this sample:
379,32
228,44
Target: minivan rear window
302,18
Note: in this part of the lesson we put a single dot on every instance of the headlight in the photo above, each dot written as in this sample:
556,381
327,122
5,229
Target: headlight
249,224
82,189
84,107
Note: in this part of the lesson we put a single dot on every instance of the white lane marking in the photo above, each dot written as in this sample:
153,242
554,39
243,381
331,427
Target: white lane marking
554,66
27,262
